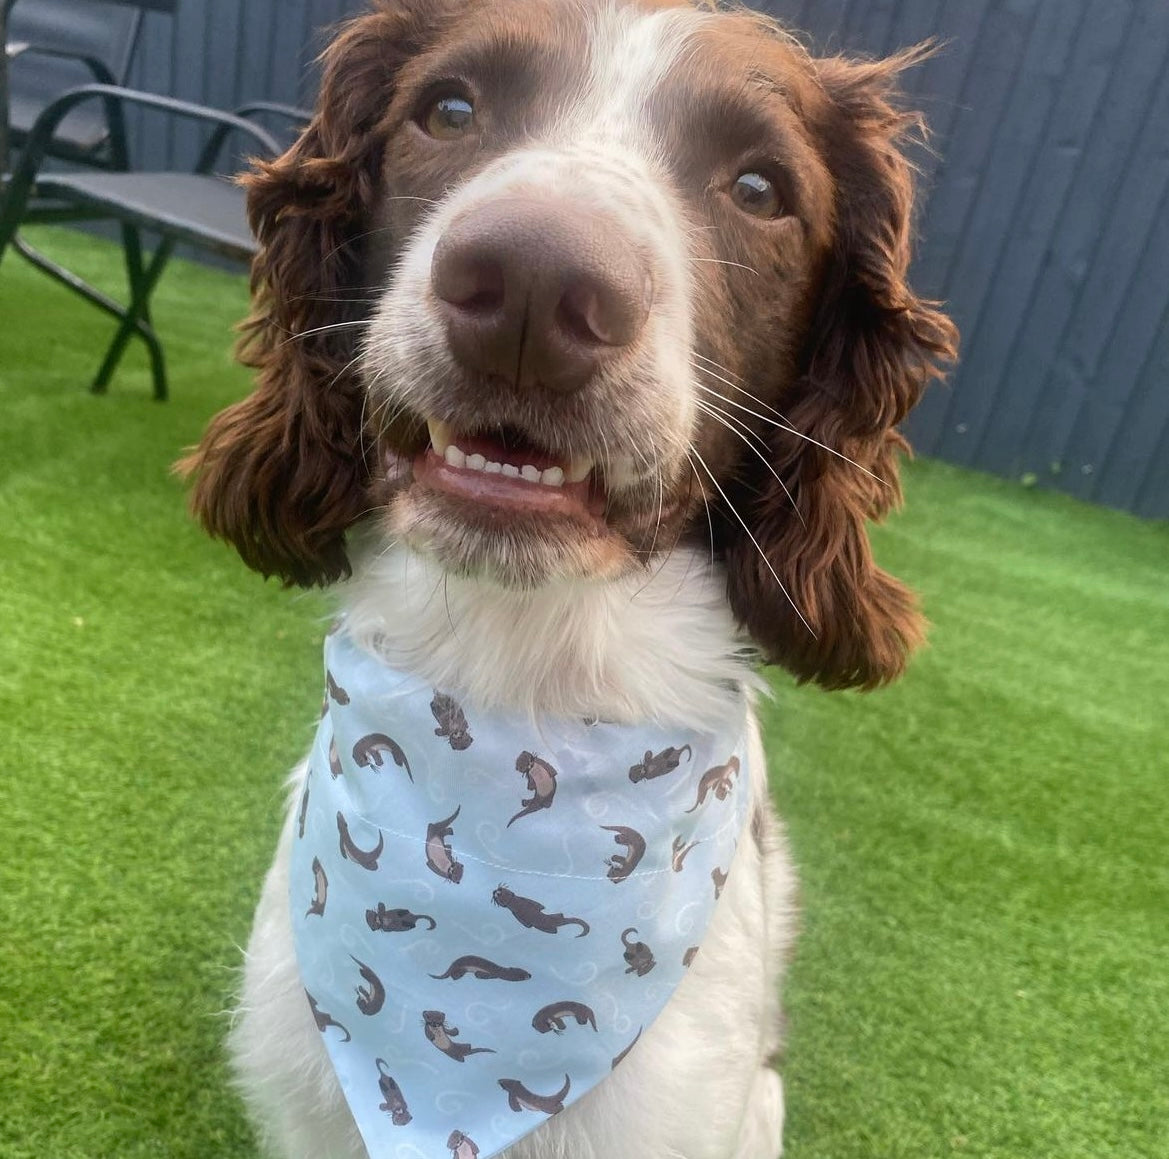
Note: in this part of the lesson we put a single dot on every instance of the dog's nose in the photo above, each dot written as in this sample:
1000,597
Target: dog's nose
539,293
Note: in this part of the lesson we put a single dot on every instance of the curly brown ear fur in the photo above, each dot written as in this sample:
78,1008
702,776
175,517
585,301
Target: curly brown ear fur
873,346
283,473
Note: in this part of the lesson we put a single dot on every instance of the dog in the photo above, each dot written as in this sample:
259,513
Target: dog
582,332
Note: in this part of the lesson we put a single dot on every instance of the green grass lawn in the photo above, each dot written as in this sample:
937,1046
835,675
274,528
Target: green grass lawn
984,849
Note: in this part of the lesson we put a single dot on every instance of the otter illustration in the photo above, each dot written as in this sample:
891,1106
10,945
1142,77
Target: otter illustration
394,1101
720,879
303,814
442,1036
689,956
680,850
320,890
621,1057
367,860
482,968
541,784
658,765
394,921
335,766
519,1098
452,721
718,780
368,751
461,1147
439,857
323,1020
531,915
335,690
555,1016
638,956
371,997
621,865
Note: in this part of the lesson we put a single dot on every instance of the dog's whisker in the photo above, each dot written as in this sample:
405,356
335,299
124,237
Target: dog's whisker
789,429
705,504
742,390
716,365
738,429
751,535
302,334
377,228
784,424
724,262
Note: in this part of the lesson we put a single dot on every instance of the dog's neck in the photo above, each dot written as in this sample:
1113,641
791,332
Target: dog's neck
659,645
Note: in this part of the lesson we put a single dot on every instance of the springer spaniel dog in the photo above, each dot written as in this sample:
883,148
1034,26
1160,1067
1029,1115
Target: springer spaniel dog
582,333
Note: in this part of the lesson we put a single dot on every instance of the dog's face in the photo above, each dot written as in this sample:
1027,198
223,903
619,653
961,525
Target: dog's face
584,212
552,285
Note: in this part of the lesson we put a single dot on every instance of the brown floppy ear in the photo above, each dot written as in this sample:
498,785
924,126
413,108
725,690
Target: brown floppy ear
283,473
872,347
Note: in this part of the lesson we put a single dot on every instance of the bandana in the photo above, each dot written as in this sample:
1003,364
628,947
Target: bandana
489,912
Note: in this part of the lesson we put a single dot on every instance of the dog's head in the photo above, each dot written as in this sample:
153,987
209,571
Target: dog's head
549,286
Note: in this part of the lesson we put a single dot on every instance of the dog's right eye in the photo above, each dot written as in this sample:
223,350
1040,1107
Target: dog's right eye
756,195
448,117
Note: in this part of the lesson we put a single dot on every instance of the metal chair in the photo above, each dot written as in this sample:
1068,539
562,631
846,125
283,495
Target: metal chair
55,45
191,206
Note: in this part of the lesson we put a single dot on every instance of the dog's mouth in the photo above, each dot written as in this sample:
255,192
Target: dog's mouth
503,469
492,499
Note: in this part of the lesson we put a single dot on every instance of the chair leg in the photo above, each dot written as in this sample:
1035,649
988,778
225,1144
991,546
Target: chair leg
11,211
136,318
134,324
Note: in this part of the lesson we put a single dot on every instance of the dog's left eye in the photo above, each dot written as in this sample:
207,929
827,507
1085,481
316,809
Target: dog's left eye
755,194
448,117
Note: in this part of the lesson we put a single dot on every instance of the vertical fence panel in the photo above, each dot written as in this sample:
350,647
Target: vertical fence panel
153,70
1045,207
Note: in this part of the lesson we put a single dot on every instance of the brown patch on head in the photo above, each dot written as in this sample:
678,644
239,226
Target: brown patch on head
521,57
818,348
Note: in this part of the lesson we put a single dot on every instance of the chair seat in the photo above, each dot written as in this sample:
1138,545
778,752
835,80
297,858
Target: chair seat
205,211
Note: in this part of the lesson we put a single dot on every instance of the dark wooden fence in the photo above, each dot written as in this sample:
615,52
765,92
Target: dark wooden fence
1045,224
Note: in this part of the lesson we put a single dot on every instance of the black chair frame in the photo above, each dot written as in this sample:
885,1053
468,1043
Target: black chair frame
29,196
32,196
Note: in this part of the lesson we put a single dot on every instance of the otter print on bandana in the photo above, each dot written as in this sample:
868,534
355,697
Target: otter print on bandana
489,911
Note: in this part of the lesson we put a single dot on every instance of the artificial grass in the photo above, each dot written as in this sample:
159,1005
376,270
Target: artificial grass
984,964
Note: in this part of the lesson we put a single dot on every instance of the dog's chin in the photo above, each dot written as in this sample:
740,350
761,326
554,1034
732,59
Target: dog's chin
513,544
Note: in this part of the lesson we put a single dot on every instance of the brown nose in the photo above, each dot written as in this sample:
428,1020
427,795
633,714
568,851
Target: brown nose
539,293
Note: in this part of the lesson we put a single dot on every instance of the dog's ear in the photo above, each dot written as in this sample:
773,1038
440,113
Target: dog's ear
872,347
283,473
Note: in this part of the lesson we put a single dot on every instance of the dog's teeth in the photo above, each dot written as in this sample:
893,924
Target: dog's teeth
441,435
578,470
442,440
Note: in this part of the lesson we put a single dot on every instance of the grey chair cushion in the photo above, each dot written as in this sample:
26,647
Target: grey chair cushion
106,32
206,211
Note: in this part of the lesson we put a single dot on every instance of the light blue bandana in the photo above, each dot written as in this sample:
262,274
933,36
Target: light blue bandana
488,913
